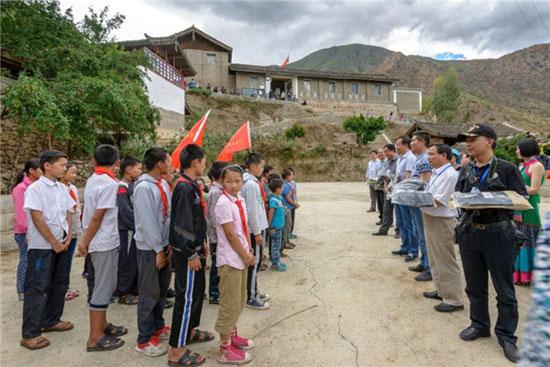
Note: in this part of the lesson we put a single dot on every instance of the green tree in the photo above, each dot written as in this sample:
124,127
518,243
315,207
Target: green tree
76,85
446,96
506,148
366,129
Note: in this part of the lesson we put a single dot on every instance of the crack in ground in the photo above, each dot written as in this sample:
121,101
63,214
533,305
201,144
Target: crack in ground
283,320
350,342
314,285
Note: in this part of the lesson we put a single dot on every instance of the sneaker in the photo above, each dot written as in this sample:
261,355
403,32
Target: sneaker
231,355
292,236
288,246
240,342
264,296
152,348
257,304
163,333
214,301
279,267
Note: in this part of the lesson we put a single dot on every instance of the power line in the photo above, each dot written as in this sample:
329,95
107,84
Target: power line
540,18
527,21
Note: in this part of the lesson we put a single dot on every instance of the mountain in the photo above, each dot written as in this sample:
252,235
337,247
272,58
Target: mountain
513,87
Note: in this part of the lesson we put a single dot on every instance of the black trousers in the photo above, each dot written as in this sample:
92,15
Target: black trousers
293,215
214,278
189,287
127,277
484,253
153,286
387,217
380,198
252,281
46,284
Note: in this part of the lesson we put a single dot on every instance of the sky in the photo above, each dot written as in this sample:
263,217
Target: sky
264,32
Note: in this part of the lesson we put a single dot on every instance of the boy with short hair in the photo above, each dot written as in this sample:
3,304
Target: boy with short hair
294,195
254,195
49,237
276,219
152,217
290,204
188,240
101,243
127,278
216,191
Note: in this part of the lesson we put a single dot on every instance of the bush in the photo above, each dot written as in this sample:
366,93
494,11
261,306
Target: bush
296,131
506,148
366,129
199,92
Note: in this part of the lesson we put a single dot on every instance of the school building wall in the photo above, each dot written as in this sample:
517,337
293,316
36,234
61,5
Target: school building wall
212,69
164,94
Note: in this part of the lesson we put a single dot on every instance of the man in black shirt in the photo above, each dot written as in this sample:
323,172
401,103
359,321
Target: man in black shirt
486,238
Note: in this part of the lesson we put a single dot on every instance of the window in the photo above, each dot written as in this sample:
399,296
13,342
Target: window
378,89
211,58
354,88
254,82
331,87
307,86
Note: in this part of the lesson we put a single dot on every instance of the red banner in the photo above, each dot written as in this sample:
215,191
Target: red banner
239,141
193,136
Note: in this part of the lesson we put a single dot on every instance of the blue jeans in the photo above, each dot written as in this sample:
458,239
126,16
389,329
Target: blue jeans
276,239
418,230
404,222
46,284
22,266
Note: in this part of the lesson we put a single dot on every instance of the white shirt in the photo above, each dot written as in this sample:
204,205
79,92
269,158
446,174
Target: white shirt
100,193
53,200
373,169
441,186
405,163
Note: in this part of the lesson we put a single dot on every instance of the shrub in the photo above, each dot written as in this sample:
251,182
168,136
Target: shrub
296,131
199,92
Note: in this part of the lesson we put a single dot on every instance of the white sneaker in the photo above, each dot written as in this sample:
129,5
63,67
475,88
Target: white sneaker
152,348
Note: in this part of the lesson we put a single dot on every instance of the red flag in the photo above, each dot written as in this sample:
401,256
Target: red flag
193,136
285,63
239,141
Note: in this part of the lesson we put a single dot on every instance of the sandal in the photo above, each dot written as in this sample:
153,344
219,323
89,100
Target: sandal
201,336
35,343
128,300
115,331
188,359
106,343
60,326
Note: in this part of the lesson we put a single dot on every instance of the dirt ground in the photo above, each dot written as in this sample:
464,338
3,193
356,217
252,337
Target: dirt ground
344,301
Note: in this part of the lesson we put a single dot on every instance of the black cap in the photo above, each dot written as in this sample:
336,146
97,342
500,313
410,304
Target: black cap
478,130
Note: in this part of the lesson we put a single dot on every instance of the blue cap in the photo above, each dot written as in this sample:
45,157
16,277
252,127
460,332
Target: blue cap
457,155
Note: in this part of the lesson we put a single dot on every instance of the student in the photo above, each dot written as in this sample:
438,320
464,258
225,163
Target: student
371,177
67,180
289,205
234,256
294,194
254,195
31,172
188,240
152,198
216,189
276,220
101,243
268,170
49,237
127,277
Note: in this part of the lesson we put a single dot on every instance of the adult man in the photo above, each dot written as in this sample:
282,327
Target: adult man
439,225
379,185
486,239
422,169
371,177
387,176
404,168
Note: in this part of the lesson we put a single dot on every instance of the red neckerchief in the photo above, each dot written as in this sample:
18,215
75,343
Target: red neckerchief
73,196
163,197
527,164
196,187
239,204
103,171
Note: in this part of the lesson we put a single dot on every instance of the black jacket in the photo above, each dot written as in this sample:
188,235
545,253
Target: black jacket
125,206
187,221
